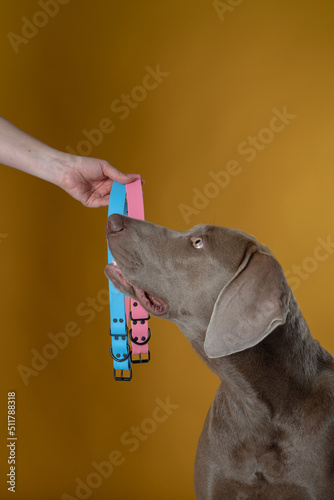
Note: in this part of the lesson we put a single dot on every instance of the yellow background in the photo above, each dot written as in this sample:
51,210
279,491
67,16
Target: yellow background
227,73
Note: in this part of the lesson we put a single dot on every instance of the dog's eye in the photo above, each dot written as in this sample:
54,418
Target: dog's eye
197,242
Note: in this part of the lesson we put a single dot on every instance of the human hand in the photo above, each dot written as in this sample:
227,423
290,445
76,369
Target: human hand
89,180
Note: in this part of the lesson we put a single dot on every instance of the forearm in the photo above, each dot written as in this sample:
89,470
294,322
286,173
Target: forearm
88,180
19,150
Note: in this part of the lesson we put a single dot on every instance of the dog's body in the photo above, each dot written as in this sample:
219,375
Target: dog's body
269,434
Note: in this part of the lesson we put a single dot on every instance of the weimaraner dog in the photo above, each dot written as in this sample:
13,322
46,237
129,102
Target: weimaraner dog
269,434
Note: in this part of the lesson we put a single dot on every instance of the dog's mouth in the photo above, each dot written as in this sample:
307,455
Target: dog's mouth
150,302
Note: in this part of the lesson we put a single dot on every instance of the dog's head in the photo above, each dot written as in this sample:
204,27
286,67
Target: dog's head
210,279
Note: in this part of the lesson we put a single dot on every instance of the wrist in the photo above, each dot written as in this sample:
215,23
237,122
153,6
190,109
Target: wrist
56,167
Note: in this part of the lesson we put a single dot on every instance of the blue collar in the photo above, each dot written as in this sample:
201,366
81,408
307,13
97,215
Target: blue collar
119,349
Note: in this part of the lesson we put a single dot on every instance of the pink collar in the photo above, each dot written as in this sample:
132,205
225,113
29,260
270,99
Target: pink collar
139,332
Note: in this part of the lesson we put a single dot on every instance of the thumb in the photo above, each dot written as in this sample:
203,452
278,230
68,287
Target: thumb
117,175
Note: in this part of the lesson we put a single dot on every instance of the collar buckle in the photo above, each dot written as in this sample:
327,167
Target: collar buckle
125,378
141,358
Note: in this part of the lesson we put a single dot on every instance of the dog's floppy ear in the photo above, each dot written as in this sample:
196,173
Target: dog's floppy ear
249,307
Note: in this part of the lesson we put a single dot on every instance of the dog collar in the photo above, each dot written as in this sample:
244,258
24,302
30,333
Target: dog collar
127,200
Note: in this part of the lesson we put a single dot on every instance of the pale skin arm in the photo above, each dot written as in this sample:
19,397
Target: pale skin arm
88,180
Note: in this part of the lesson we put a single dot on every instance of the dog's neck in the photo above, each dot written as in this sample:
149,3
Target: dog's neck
289,359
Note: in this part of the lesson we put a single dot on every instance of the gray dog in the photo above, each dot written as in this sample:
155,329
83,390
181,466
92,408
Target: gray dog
269,433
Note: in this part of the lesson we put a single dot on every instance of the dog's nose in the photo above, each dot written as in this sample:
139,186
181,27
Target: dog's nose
115,224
